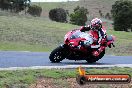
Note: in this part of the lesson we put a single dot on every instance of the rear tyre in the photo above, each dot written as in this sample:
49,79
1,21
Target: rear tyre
93,59
57,55
102,54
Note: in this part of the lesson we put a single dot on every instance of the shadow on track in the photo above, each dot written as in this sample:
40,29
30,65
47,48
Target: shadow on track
79,63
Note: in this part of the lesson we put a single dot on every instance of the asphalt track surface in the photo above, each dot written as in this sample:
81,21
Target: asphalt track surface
31,59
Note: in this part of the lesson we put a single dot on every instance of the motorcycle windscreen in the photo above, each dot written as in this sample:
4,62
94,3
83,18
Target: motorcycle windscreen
75,35
88,38
79,34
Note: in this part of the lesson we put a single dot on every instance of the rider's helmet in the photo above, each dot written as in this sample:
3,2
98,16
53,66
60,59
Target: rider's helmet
96,24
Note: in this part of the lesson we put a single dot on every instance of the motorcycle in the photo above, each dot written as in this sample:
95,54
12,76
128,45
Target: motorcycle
72,50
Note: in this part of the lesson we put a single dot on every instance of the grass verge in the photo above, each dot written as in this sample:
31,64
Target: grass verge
25,78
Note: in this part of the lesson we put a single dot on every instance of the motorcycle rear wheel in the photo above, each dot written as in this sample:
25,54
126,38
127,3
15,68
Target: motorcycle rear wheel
93,59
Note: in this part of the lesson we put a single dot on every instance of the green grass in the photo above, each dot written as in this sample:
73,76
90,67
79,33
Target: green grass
11,46
27,77
123,43
48,5
31,34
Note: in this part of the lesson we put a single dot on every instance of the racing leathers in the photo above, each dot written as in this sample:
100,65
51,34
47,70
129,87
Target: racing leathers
98,39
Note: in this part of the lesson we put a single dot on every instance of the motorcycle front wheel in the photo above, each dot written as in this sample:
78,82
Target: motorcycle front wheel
57,55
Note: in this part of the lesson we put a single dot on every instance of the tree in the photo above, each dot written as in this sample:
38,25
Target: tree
58,14
100,13
15,5
108,16
79,17
19,5
4,4
122,15
34,10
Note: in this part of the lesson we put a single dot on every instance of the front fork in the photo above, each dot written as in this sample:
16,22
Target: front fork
66,48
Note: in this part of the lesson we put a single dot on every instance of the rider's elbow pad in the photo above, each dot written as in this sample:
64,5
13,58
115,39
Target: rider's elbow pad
83,29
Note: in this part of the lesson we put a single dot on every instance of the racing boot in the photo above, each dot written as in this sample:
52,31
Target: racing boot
97,52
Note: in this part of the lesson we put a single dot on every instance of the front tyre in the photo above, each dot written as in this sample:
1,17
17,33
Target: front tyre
57,55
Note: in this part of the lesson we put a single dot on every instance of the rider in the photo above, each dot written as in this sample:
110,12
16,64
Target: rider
98,34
